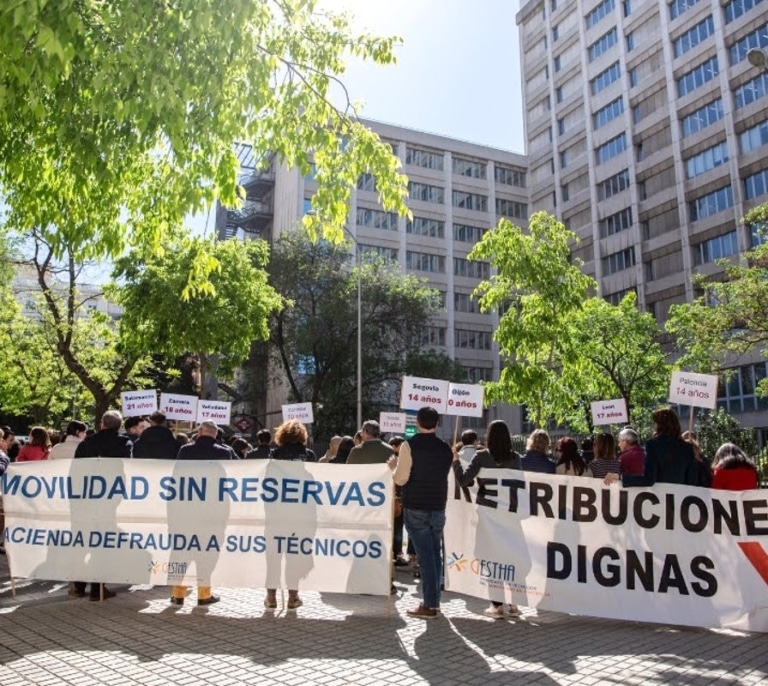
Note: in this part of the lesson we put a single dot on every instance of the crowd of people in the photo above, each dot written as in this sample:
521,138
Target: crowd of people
420,467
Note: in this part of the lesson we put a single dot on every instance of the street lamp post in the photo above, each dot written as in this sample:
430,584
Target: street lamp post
359,264
758,58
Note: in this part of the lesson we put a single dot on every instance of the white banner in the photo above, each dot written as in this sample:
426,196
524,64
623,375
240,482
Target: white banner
179,407
138,403
694,390
465,400
392,422
609,412
260,523
301,412
214,410
416,393
673,554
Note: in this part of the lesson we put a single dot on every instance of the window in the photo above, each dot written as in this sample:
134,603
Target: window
563,159
693,36
557,63
564,192
477,340
711,203
307,206
736,391
754,138
478,374
424,158
366,182
633,77
432,335
612,148
608,113
757,234
619,261
471,269
603,44
512,209
751,91
613,185
605,78
424,262
555,33
757,39
698,76
465,233
735,8
630,38
376,219
509,177
424,226
615,298
706,160
677,7
470,201
425,192
756,184
601,11
637,114
561,126
371,250
464,302
702,117
627,4
471,168
616,223
559,94
716,248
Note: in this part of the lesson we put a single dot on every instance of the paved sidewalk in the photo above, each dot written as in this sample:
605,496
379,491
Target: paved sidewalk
51,639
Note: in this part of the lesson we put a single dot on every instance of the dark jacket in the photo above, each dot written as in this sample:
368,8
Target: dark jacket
427,485
204,448
483,459
260,452
157,442
293,451
536,461
370,452
105,443
667,460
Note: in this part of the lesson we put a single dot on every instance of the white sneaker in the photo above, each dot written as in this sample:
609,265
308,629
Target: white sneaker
494,612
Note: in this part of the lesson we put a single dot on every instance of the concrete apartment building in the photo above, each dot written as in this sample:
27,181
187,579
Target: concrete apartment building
458,190
646,126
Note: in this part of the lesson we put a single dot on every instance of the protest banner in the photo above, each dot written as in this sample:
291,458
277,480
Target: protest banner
261,523
695,390
465,400
138,403
606,412
214,410
392,422
301,412
416,393
675,554
179,407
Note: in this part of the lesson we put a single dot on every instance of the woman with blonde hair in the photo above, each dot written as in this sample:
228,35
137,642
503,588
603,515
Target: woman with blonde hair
536,458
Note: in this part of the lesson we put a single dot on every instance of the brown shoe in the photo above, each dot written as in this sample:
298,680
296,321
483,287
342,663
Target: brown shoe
294,601
423,612
270,602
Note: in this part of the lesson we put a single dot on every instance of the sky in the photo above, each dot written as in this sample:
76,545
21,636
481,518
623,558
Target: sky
458,70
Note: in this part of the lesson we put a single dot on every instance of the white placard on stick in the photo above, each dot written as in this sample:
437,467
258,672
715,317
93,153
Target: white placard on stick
416,393
214,410
465,400
179,407
609,412
301,412
694,390
392,422
138,403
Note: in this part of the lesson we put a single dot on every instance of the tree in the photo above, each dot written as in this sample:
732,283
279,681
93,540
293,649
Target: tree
618,355
730,318
222,318
315,336
539,290
119,117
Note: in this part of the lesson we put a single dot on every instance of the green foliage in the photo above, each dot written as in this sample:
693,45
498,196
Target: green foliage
538,290
118,117
718,427
710,336
617,355
166,312
315,336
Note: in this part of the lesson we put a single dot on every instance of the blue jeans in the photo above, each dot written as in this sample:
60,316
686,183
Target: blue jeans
425,529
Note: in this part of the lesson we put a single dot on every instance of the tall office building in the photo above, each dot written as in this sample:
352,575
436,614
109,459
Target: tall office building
645,125
457,190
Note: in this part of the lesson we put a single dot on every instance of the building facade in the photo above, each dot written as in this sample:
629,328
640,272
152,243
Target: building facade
645,127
